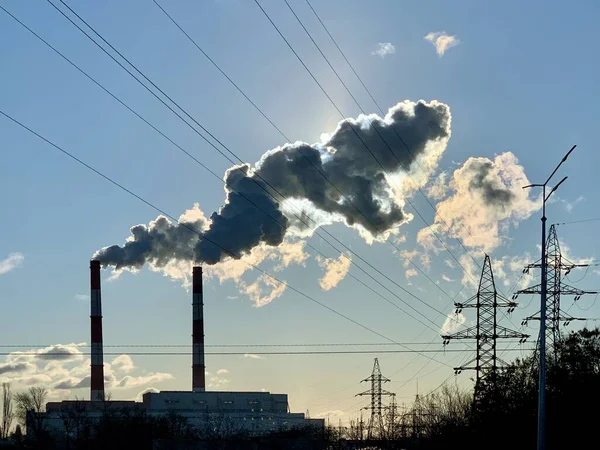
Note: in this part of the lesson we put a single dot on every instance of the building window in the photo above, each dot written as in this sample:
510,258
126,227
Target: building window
228,402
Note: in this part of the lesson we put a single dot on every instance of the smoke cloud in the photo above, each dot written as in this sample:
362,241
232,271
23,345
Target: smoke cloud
487,199
354,158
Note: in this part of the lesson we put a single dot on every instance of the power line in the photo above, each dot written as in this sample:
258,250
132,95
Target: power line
314,352
352,127
219,178
383,113
349,344
122,187
216,175
589,307
469,275
579,221
262,113
383,140
232,162
402,254
396,133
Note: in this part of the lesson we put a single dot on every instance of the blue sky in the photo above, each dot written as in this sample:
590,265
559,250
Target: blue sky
521,80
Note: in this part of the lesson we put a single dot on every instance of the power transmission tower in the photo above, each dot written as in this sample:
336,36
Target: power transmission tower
487,331
375,427
417,418
556,264
420,418
392,419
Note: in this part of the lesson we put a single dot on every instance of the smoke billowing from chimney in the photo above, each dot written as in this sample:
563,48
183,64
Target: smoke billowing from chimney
239,225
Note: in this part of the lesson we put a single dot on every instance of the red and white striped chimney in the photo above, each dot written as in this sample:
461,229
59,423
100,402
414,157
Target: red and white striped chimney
97,372
198,379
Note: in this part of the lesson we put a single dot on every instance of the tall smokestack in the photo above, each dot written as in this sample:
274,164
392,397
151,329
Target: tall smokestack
97,375
198,380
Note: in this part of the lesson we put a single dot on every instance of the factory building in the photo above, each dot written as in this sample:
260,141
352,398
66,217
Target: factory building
253,412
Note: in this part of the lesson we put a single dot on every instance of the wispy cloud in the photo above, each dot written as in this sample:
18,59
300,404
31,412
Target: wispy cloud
219,379
253,356
332,413
384,49
447,278
263,291
63,368
452,323
123,363
570,205
82,297
335,271
442,41
13,261
140,396
411,273
438,189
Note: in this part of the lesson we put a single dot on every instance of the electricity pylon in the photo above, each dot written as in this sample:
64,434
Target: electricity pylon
487,331
555,266
392,419
375,427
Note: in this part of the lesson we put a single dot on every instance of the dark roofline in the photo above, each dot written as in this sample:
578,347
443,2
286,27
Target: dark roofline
215,392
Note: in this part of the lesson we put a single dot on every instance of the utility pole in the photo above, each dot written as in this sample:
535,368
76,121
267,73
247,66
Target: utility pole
487,331
541,425
556,264
376,393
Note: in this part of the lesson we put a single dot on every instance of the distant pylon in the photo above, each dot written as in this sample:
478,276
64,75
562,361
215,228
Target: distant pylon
375,427
392,419
556,265
487,331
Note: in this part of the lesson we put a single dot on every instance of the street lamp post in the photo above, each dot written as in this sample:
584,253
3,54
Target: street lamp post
541,425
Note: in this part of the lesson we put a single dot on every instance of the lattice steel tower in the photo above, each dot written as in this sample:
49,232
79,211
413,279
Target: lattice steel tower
375,427
556,265
487,331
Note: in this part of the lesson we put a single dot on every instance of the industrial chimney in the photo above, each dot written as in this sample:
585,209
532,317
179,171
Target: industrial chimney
97,375
198,380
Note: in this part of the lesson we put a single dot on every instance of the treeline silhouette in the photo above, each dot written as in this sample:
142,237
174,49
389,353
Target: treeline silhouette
500,414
